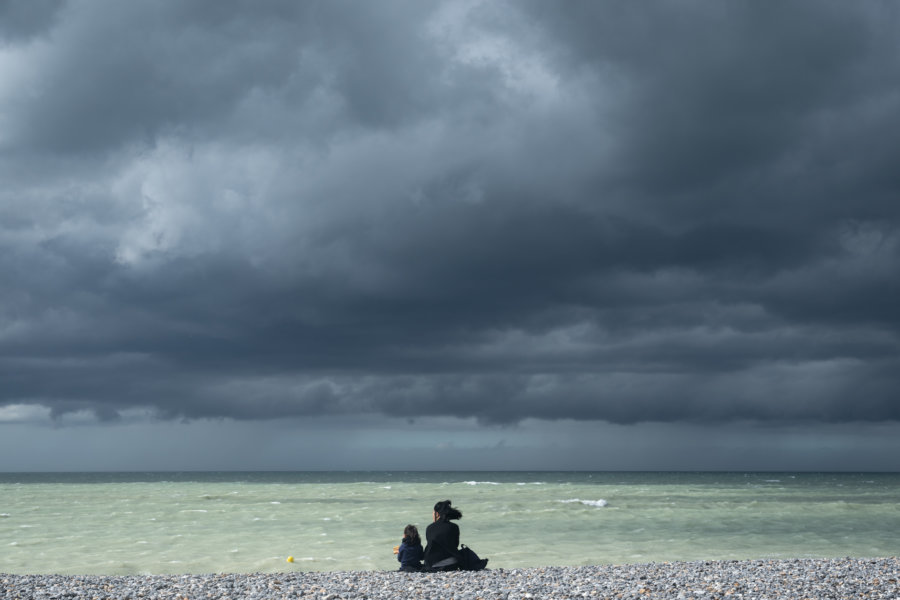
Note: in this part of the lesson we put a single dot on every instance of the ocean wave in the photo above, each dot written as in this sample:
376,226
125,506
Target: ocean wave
596,503
481,483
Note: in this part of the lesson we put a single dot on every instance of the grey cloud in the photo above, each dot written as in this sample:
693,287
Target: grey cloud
609,212
23,19
726,110
307,71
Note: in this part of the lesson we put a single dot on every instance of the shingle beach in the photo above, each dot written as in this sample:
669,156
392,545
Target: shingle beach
757,579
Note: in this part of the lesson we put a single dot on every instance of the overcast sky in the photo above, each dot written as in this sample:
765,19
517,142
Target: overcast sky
432,235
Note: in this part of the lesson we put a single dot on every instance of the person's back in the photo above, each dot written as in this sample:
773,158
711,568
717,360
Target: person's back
410,552
442,538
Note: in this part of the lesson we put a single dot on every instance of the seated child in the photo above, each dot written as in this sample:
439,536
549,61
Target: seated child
410,551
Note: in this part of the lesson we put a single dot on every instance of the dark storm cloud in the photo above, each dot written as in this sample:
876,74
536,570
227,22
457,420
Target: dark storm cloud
603,211
23,19
128,74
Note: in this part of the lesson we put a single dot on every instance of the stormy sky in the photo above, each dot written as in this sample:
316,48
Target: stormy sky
432,235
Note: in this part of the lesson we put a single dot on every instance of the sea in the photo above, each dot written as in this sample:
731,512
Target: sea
231,522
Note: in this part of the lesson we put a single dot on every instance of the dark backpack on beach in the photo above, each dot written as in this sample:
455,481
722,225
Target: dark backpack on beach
469,561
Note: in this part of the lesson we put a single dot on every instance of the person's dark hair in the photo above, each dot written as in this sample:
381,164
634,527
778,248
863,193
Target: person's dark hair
446,512
411,535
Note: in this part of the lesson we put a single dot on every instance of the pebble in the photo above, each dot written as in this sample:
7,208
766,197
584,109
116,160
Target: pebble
725,580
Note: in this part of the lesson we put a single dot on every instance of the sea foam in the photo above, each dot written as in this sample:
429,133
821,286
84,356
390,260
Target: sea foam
598,503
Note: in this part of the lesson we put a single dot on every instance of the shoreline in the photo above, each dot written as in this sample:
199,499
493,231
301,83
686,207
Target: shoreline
736,579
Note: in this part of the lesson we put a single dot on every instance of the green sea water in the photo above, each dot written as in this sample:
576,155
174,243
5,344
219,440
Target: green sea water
131,523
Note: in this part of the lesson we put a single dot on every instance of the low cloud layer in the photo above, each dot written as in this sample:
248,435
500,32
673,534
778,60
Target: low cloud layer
616,211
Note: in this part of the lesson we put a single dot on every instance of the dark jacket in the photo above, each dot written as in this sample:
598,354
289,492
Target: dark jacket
443,542
410,555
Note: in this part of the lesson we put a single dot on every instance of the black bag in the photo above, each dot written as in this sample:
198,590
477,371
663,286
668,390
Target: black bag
469,561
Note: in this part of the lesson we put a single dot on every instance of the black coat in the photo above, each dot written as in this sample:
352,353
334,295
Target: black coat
442,539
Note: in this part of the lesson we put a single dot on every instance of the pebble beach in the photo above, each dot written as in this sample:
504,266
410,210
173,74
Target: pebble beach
756,579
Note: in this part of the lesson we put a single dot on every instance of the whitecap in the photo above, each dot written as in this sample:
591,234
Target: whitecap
596,503
274,502
481,483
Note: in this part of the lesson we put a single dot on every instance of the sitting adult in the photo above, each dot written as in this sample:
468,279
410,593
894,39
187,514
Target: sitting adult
442,537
